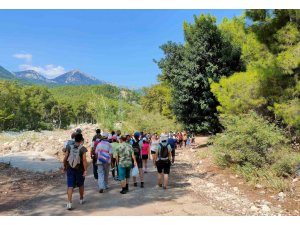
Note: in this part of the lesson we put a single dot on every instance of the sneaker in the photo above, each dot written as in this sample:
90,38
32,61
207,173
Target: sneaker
69,206
81,201
135,184
123,192
101,191
164,187
145,171
160,185
142,184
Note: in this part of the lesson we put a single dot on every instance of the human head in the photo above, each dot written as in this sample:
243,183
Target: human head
128,137
104,135
136,135
118,132
78,130
123,138
163,138
98,131
114,138
73,135
113,133
78,138
144,140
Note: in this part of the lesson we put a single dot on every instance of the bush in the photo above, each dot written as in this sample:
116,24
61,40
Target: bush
247,139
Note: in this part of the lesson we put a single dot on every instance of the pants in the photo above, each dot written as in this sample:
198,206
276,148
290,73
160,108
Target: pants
114,164
95,169
103,172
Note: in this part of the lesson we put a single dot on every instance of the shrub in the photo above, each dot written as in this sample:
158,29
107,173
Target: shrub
247,139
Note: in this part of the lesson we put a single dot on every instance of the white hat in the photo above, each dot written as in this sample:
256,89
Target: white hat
104,135
163,137
144,139
109,136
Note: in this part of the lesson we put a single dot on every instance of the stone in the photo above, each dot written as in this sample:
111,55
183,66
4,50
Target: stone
235,189
259,186
265,208
262,192
254,208
295,180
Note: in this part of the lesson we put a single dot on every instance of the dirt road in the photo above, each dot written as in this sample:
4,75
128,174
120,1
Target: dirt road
177,200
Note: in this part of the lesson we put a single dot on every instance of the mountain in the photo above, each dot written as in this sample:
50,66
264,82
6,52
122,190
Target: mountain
5,74
34,77
76,77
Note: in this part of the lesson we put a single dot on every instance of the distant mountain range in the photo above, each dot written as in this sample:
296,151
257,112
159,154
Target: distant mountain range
74,77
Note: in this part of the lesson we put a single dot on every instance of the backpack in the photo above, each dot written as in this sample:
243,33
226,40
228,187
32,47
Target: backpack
103,157
74,156
163,154
136,148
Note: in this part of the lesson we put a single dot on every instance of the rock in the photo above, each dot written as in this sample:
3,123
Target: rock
259,186
262,192
235,189
265,208
254,208
209,185
281,196
295,180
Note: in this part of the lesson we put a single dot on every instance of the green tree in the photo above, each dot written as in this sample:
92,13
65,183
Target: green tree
206,55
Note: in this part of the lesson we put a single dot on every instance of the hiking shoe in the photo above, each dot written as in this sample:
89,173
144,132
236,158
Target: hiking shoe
164,187
142,184
81,201
69,206
123,192
160,185
135,184
101,191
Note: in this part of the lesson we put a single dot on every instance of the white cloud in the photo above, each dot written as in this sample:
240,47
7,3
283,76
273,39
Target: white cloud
27,57
50,71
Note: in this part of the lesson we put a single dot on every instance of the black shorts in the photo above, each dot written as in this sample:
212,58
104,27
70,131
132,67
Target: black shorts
153,152
163,166
145,157
139,163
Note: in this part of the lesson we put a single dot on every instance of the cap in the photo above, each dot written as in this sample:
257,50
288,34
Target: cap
105,135
136,134
78,130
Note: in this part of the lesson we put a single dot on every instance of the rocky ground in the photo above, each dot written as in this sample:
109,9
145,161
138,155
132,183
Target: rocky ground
197,186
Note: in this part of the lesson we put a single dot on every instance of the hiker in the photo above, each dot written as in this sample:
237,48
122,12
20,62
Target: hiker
95,141
145,153
78,131
124,156
172,143
137,145
69,142
103,152
75,164
114,163
154,146
163,163
184,138
118,133
179,139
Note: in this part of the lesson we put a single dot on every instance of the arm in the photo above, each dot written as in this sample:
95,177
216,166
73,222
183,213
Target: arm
134,160
84,164
65,161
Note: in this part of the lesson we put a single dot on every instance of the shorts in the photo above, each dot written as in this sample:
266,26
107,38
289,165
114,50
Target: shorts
75,177
139,163
163,166
124,172
153,152
145,157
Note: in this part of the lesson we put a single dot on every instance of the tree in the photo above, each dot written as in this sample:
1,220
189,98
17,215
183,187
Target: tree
206,55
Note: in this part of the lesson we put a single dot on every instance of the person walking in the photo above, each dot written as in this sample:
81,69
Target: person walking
124,156
95,141
137,145
145,153
163,163
114,163
75,164
154,146
103,152
172,143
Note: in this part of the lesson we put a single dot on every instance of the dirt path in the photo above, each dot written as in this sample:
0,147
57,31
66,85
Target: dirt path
177,200
197,187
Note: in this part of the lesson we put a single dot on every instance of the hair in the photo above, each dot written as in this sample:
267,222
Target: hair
123,137
98,131
113,133
78,138
73,135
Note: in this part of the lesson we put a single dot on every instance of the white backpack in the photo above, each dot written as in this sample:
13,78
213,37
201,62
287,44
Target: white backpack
74,156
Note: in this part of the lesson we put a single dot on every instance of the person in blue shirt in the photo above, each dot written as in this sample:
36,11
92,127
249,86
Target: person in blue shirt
172,143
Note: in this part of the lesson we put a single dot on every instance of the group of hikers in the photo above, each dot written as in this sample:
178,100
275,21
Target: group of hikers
123,155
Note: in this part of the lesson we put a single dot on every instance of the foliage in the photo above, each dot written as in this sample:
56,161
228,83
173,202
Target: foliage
206,54
158,99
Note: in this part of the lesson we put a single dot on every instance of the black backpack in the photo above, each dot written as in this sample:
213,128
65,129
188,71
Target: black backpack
136,148
163,154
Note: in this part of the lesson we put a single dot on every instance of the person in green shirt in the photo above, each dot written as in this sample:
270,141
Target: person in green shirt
114,164
124,156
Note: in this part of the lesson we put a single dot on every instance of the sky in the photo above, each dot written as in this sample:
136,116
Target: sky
116,46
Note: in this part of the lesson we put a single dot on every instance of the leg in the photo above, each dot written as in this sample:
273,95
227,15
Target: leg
106,174
159,179
81,192
166,178
101,177
70,193
113,164
95,169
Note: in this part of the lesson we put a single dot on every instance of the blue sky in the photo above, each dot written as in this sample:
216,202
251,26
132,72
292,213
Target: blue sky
116,46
